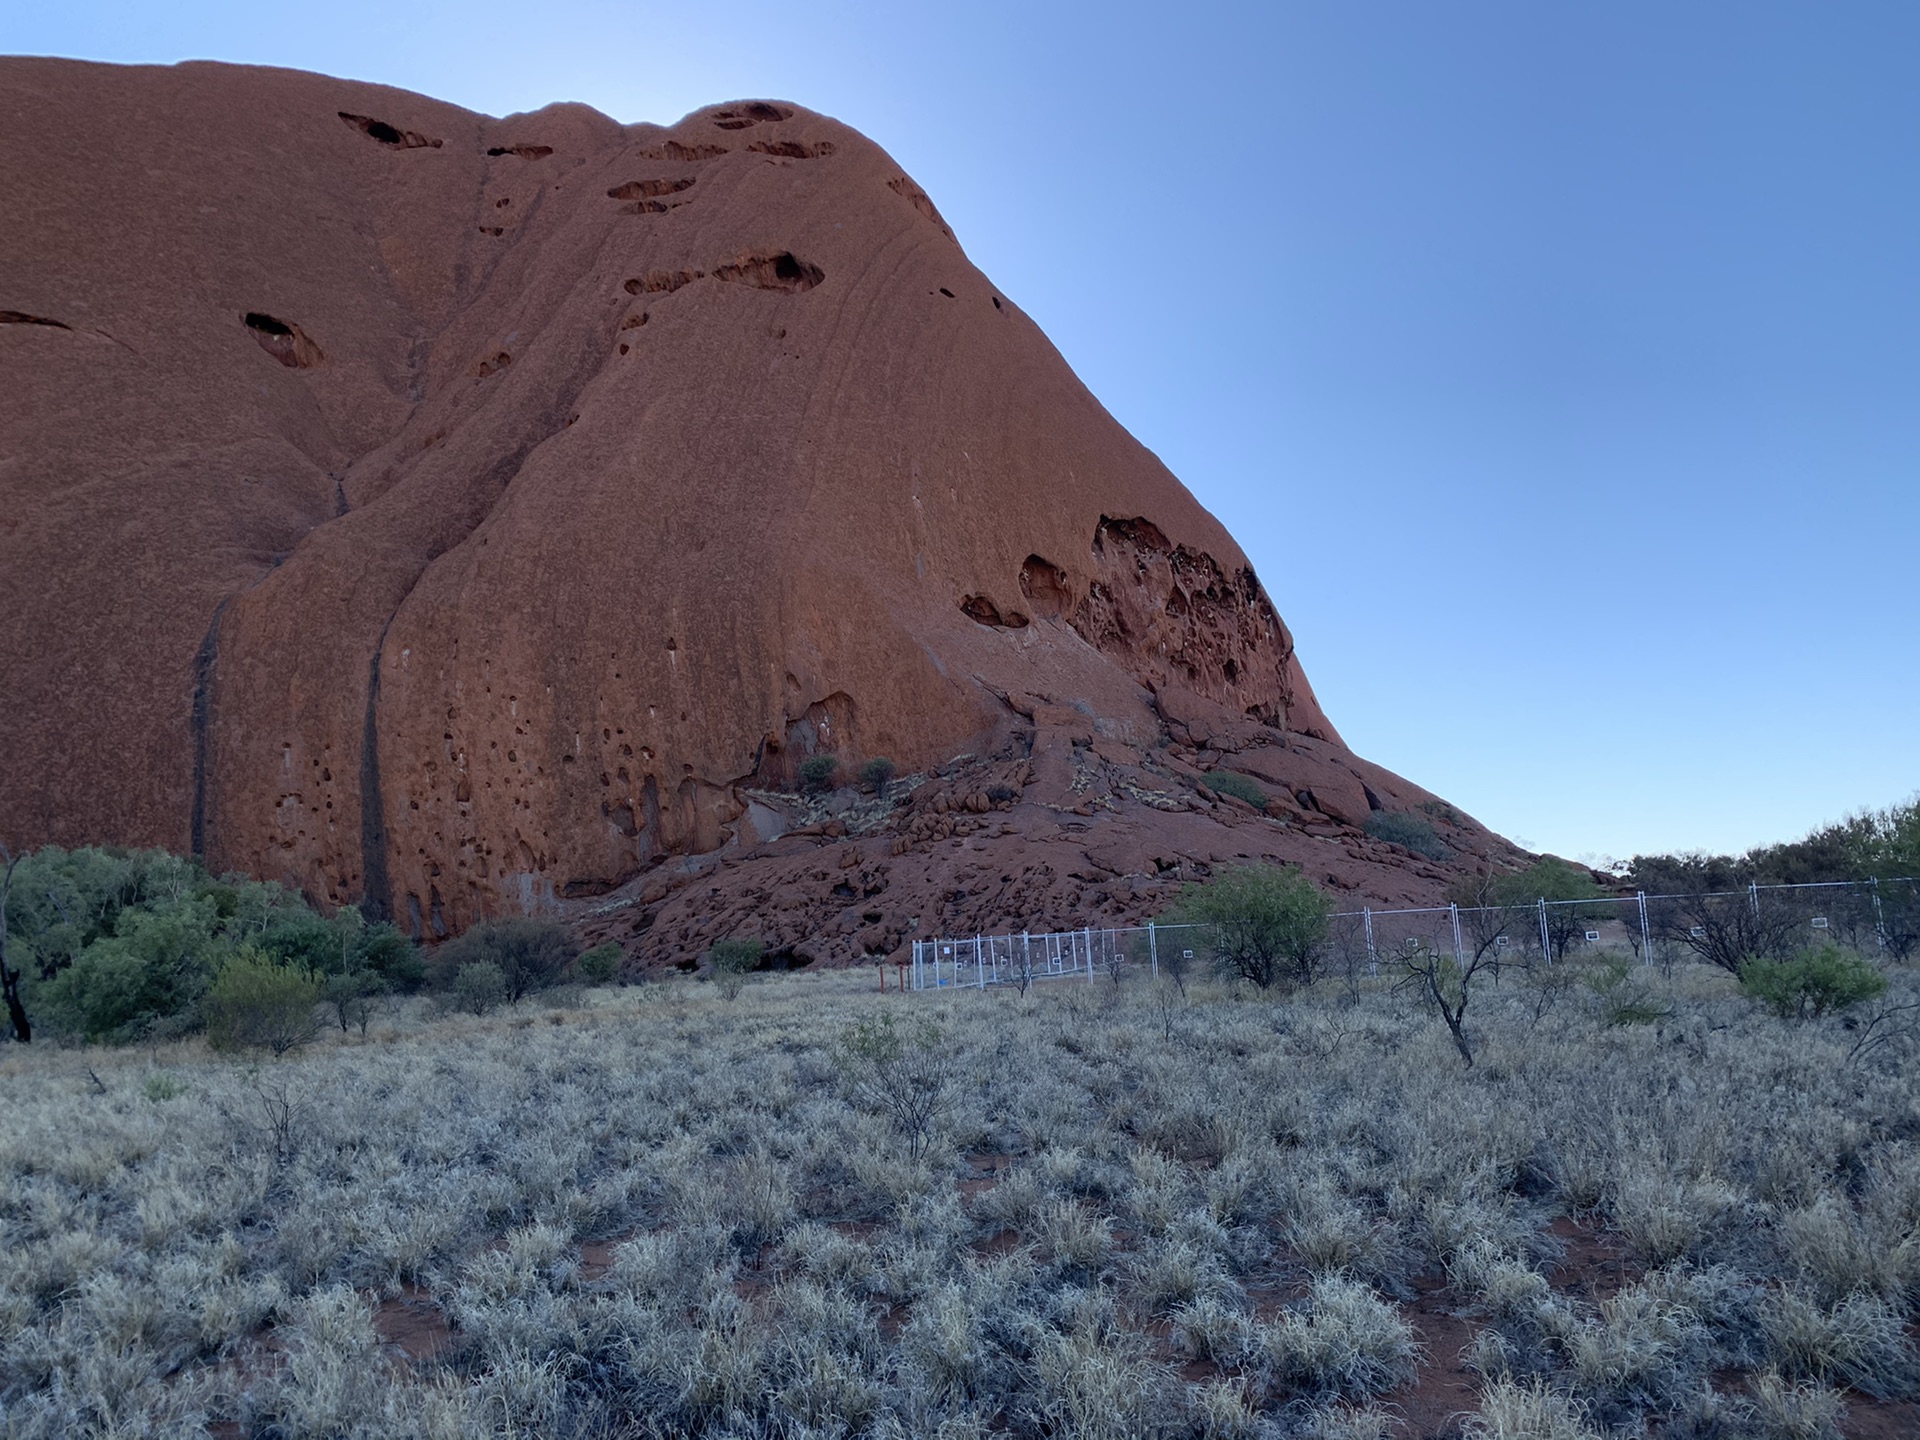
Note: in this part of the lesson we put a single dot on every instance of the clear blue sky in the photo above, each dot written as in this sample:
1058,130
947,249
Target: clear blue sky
1558,365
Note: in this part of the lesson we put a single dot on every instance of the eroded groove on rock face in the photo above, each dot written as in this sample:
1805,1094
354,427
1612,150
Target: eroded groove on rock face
916,197
771,272
20,317
524,152
1169,613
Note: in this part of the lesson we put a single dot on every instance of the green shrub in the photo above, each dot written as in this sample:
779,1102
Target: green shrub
258,1003
877,775
1812,983
1410,831
1231,782
817,773
161,1086
732,961
1268,922
1624,998
600,964
479,986
530,954
153,968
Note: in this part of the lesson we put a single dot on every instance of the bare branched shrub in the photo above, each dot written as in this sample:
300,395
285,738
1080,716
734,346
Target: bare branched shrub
902,1071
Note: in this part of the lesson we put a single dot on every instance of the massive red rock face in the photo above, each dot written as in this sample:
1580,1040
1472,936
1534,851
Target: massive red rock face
455,515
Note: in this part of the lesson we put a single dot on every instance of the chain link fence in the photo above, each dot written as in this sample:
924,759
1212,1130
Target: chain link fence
1723,928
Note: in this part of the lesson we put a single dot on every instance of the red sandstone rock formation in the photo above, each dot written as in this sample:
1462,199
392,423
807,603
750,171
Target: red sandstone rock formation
457,515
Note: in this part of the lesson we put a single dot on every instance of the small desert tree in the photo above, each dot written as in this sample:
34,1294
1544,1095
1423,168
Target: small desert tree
904,1072
10,977
1572,900
1441,982
259,1003
1268,923
531,953
878,775
817,773
732,961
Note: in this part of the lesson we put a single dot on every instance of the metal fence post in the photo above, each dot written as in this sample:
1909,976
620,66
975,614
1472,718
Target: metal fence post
1373,960
1088,935
1646,938
1459,949
1879,920
1753,895
1153,950
1546,943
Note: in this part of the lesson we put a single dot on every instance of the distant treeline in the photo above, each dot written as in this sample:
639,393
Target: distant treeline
1873,844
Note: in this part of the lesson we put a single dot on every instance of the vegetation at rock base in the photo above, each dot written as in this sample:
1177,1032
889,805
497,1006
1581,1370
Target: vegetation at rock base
817,773
877,774
730,962
121,946
1409,831
1240,787
1267,923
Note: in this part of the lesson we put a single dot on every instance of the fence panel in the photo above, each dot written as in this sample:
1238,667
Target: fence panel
1722,928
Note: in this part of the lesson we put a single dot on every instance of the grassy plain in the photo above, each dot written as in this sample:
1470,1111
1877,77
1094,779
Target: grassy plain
1129,1212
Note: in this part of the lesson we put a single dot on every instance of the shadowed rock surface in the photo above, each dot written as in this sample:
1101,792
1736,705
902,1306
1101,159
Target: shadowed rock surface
460,515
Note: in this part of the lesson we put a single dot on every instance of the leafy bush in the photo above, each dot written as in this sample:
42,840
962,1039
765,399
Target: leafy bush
122,945
479,986
1410,831
732,961
530,954
600,964
1269,922
817,773
1240,787
258,1003
154,967
876,774
1812,983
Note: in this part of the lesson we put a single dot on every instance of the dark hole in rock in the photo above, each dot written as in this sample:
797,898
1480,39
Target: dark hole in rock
772,272
283,340
946,292
391,136
525,152
20,317
649,189
844,890
492,365
1045,584
982,610
793,149
674,150
757,113
996,302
